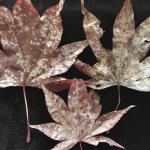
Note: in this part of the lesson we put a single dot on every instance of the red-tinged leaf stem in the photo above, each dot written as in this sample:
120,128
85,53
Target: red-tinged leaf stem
27,114
80,145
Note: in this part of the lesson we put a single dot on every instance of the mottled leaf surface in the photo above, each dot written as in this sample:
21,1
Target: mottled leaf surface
80,121
31,54
125,64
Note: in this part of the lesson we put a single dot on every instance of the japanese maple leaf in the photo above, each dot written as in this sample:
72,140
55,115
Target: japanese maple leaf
126,64
30,42
79,121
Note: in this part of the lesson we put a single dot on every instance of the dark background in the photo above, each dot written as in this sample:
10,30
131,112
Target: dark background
133,131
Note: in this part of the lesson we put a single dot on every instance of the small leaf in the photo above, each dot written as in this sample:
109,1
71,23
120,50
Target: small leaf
79,121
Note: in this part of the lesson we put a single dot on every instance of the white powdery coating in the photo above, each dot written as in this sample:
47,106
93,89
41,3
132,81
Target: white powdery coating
32,43
79,122
122,65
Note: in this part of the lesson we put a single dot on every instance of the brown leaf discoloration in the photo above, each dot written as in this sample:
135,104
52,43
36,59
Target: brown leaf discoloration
31,42
121,66
80,120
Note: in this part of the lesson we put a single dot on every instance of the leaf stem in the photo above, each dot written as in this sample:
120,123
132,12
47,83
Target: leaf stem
119,97
80,145
27,114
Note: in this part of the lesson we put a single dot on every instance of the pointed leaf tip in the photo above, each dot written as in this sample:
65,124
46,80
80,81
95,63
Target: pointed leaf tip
127,2
83,9
61,5
109,120
61,2
57,8
128,6
82,2
24,6
19,2
110,142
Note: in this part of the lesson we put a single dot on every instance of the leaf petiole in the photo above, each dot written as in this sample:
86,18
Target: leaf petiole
119,97
80,145
27,114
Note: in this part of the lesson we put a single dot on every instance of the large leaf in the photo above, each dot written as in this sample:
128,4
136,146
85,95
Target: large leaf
80,120
124,65
31,55
30,42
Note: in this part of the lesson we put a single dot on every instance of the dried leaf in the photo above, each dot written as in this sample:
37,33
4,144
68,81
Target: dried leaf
79,121
124,65
30,42
95,141
58,84
31,55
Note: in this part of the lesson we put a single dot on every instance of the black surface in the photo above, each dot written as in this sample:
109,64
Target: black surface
134,128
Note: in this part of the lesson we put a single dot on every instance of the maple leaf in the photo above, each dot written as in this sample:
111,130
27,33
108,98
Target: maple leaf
30,42
79,121
31,55
126,64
